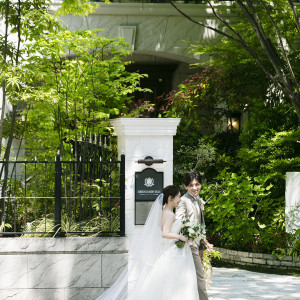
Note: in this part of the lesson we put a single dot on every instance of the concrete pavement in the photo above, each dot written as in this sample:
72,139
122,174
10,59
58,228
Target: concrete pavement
239,284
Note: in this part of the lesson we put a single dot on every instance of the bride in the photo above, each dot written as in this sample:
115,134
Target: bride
157,268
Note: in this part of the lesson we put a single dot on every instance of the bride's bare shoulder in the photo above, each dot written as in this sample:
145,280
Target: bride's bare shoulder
168,215
168,212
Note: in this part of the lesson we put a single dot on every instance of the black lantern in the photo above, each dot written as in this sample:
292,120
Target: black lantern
234,122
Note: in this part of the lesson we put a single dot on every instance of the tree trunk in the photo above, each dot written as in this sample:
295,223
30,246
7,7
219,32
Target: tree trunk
14,111
3,82
5,165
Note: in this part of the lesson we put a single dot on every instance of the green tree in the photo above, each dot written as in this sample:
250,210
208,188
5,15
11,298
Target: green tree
205,99
78,7
63,82
263,37
81,81
204,102
13,54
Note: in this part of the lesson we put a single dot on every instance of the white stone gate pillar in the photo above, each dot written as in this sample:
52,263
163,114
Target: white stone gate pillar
138,138
292,201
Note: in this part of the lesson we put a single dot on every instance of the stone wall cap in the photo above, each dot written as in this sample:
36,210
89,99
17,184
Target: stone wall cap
145,126
158,9
64,245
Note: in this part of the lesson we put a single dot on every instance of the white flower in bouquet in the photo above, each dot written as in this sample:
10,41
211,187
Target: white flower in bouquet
187,224
193,231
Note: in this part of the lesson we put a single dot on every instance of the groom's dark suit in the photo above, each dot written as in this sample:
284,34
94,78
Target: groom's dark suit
190,208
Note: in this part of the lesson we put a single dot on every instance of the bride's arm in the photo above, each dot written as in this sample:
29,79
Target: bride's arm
181,210
167,234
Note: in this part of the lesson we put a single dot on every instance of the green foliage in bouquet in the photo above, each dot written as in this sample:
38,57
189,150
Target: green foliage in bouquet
180,244
208,256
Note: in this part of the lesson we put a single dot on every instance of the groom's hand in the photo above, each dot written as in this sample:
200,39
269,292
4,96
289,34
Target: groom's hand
208,245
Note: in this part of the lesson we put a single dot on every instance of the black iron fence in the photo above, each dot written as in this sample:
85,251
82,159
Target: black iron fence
63,198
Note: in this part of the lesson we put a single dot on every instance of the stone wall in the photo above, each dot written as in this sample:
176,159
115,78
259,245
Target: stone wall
59,268
258,259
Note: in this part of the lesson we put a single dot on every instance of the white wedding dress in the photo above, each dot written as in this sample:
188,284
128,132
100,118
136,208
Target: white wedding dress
157,269
173,276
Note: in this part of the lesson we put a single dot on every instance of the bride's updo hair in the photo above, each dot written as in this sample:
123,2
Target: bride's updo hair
170,190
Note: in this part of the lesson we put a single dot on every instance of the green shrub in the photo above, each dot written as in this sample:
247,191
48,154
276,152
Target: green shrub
233,210
272,154
98,225
295,250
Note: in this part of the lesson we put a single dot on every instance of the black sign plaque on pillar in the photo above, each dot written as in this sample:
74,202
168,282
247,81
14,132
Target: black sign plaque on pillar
148,185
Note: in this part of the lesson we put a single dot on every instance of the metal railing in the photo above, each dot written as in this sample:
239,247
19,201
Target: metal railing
63,198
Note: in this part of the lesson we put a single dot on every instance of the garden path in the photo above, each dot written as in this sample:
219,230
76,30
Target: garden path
239,284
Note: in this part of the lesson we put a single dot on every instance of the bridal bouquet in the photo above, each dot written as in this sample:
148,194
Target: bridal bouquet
193,231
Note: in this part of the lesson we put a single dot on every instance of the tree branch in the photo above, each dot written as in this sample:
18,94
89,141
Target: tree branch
258,29
204,25
239,40
295,14
267,47
283,51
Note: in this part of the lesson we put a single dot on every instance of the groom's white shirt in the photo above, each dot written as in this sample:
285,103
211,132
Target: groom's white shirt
195,202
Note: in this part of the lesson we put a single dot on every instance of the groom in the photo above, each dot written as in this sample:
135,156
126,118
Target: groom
191,207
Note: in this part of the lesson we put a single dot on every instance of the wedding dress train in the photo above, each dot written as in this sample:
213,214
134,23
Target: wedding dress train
173,276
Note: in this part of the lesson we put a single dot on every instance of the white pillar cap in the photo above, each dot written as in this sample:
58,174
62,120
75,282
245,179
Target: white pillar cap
145,126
